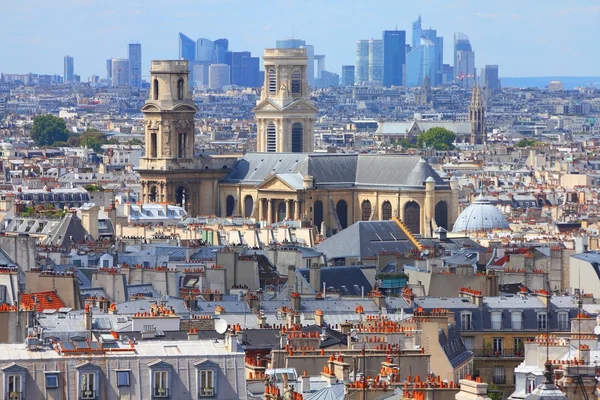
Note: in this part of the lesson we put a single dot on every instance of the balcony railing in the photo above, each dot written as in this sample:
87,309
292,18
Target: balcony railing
87,395
499,380
504,353
14,396
207,392
160,393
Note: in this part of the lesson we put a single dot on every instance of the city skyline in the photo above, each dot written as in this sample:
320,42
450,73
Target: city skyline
523,42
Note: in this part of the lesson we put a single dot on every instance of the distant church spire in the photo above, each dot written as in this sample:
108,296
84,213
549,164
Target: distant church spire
477,117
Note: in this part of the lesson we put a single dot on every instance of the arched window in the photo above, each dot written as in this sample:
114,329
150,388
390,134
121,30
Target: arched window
229,205
248,206
412,216
281,211
181,145
296,82
342,213
180,89
297,137
155,89
441,214
152,196
271,138
318,215
153,145
366,210
272,81
180,196
386,211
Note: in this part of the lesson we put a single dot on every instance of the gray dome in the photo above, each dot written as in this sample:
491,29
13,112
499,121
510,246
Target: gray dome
481,215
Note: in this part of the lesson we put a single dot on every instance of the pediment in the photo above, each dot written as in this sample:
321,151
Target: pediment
14,368
159,364
300,105
86,365
275,183
206,364
266,105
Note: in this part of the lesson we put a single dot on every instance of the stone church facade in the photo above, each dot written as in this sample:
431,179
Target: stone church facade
284,180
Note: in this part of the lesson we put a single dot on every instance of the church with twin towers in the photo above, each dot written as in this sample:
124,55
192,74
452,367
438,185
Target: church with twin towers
284,179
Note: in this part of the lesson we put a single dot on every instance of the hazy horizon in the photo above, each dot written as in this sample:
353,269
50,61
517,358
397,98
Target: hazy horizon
524,39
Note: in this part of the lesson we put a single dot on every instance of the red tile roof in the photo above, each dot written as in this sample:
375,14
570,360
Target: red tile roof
42,300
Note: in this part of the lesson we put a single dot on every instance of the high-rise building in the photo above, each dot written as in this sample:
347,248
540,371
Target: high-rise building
109,69
376,60
348,75
221,47
327,79
135,65
68,74
289,43
477,117
394,57
120,72
431,34
218,76
187,48
417,33
420,63
362,61
205,50
244,69
464,61
489,77
285,114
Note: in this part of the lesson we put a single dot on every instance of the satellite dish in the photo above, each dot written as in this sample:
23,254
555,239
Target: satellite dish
597,330
220,326
426,252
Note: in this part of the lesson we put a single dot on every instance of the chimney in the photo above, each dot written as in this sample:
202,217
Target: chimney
345,327
341,369
193,334
544,296
379,299
231,343
112,213
319,319
189,251
296,301
473,390
282,340
408,295
127,209
291,281
583,353
305,379
87,318
89,220
315,276
262,320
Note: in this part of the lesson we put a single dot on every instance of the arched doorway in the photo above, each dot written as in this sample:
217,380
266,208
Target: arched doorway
441,214
153,194
318,215
341,209
386,211
281,211
248,206
412,216
180,196
229,205
366,210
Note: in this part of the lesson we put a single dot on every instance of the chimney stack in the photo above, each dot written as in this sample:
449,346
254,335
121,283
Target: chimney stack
315,276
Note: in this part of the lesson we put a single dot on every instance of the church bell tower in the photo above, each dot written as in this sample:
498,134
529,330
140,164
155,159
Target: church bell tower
477,118
285,114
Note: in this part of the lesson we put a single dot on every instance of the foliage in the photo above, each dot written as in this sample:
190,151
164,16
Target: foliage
405,143
135,141
94,188
438,138
48,129
392,275
74,141
525,143
113,141
494,392
93,139
61,144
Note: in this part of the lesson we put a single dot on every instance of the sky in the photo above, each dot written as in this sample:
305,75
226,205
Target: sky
524,37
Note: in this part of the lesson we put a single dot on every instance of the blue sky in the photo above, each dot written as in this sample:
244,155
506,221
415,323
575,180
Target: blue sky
525,37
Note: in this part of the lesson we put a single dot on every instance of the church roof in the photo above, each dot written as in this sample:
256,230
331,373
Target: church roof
336,170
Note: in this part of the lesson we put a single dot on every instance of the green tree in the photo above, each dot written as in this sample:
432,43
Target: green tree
135,141
48,129
525,143
91,142
438,138
494,392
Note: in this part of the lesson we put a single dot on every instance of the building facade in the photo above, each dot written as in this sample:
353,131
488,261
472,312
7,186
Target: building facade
218,76
135,65
394,57
348,73
120,72
187,48
477,118
285,114
464,61
362,62
68,74
420,62
376,60
489,77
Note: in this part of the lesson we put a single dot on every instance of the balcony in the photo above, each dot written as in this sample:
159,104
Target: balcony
14,396
207,392
160,393
504,353
87,395
499,380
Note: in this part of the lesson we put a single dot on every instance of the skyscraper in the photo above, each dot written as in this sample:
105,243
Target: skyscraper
109,69
205,50
187,48
244,69
68,75
135,65
417,33
431,34
376,60
218,76
394,57
221,47
348,72
362,61
420,63
464,61
489,77
120,72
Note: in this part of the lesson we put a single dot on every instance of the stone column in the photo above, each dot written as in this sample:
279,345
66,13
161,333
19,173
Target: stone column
260,209
269,211
297,209
429,206
288,209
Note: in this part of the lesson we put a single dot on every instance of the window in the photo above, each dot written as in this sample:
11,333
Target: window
52,380
516,321
155,89
542,321
465,322
122,378
497,321
272,81
297,137
386,211
530,385
180,89
519,347
468,341
160,386
153,145
207,383
296,82
499,376
366,210
498,345
271,138
87,385
563,321
14,386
